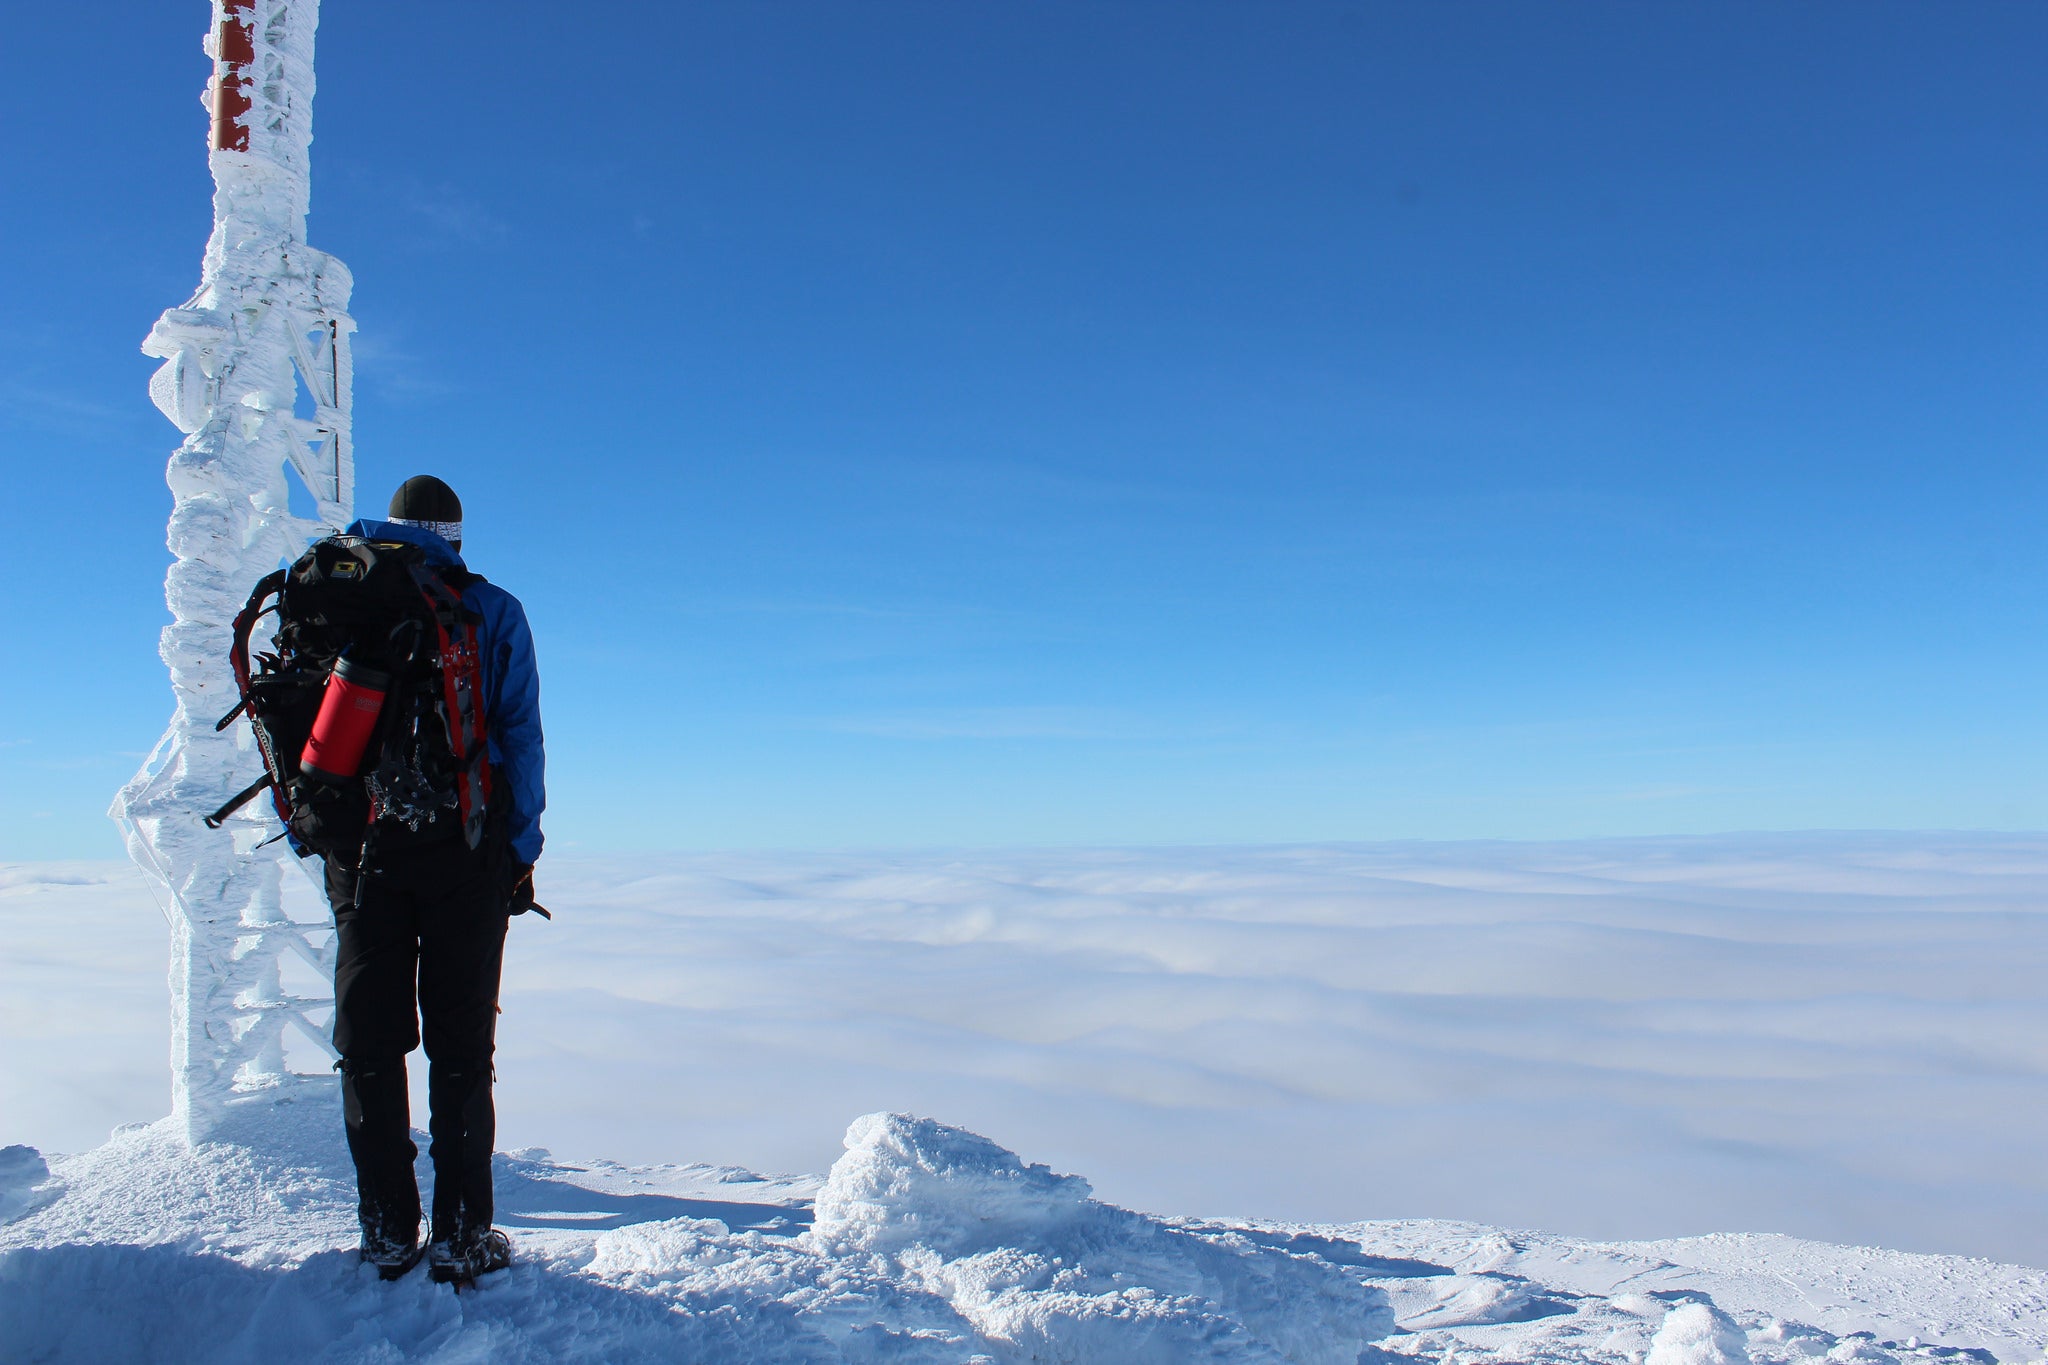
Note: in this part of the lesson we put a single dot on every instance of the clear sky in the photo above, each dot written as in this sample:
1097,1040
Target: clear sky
952,423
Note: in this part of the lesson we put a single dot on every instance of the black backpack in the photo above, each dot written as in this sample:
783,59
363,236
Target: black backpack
380,609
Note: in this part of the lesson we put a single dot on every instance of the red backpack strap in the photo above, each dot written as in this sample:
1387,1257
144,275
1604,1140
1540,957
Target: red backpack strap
238,653
238,657
462,699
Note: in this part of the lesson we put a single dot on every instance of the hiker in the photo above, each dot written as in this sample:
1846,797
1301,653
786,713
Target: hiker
420,923
398,716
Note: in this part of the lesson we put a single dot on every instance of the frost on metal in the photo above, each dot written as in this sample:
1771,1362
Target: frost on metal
256,374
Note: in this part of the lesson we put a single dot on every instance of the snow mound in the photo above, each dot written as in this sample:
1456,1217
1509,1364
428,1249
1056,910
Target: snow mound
1695,1334
1486,1300
1031,1262
916,1182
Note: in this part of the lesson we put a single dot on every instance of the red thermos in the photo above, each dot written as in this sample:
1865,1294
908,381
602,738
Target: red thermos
348,713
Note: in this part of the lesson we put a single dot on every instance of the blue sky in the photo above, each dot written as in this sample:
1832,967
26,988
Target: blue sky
985,423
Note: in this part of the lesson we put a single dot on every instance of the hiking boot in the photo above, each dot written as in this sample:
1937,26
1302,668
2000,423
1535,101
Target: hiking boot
460,1259
391,1254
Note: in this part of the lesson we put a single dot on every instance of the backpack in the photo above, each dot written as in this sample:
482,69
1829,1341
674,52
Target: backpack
369,713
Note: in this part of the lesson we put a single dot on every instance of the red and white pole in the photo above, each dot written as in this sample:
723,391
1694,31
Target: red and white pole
234,66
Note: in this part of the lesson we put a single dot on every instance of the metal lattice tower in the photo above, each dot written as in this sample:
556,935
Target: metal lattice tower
256,373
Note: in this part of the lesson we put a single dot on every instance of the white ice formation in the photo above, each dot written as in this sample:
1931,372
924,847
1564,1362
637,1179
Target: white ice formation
1027,1259
1696,1334
256,374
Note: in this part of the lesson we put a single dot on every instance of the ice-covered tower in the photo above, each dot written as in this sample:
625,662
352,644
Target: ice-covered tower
256,374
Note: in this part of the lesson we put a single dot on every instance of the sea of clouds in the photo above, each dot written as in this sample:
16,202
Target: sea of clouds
1837,1036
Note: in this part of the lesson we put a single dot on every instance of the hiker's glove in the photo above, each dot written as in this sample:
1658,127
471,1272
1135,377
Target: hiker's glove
519,894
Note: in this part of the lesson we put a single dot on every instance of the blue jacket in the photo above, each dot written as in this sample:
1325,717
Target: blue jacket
511,685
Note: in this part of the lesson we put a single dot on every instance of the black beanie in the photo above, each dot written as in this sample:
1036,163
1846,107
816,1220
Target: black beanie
426,502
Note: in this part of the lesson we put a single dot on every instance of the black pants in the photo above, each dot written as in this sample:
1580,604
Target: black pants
421,941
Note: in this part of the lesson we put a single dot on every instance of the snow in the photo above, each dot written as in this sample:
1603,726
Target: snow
924,1243
1695,1334
931,1243
1710,1068
1026,1257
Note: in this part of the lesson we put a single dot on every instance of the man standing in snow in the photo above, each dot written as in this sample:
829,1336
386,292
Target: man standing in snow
420,940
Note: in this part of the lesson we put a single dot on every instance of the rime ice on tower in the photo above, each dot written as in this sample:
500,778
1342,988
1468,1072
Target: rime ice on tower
256,374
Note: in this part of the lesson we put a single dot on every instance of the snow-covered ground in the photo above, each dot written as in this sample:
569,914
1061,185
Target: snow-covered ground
1838,1037
924,1243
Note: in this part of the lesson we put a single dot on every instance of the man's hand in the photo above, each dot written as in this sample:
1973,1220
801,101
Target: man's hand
519,896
